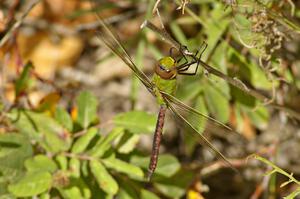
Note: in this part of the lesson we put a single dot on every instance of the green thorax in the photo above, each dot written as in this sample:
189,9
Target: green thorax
166,85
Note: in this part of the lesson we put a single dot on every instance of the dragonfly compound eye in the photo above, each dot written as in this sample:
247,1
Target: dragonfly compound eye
165,68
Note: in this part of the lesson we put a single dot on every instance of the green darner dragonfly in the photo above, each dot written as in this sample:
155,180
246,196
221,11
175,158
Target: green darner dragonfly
162,87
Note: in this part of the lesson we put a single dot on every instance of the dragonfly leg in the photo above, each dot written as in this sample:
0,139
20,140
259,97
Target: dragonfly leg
182,50
184,66
185,72
204,46
196,60
182,69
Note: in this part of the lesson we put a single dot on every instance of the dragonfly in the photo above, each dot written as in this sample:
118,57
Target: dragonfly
162,86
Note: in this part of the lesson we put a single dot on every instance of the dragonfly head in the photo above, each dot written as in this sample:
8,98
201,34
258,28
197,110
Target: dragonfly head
165,68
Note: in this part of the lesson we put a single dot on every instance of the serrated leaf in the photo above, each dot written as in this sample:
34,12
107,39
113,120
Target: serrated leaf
40,163
259,117
63,117
105,143
14,149
13,145
243,98
87,108
189,90
239,120
198,122
123,167
217,103
213,29
259,78
31,184
105,181
82,143
43,129
201,107
136,121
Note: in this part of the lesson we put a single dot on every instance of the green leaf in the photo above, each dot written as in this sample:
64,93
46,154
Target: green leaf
63,117
217,103
128,143
136,121
43,129
23,81
170,190
40,163
259,78
105,143
239,118
31,184
82,143
105,181
174,188
45,196
140,161
148,195
123,193
167,164
189,89
215,26
242,98
251,71
128,189
259,116
75,167
87,108
14,146
123,167
62,162
178,33
201,107
76,189
14,150
198,122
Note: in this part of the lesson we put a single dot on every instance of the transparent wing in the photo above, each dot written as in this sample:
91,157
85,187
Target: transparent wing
111,40
183,107
178,109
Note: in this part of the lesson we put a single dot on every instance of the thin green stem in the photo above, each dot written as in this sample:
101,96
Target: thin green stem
277,169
